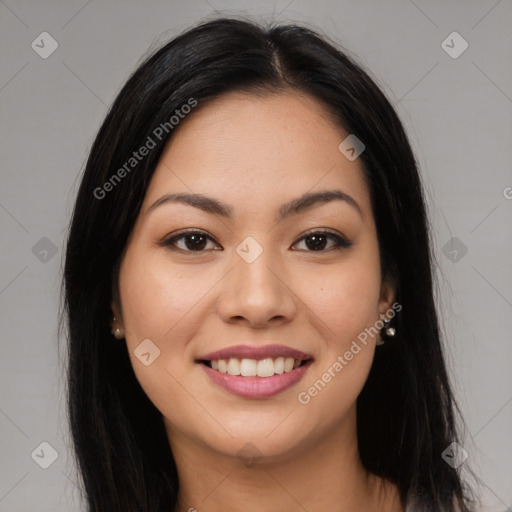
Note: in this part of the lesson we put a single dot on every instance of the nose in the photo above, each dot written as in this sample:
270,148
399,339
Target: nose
257,293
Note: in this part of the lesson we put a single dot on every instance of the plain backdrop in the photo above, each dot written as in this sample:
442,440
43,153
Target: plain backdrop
456,105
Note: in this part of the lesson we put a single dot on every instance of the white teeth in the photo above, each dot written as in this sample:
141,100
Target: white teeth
248,367
279,365
288,364
265,368
234,366
252,367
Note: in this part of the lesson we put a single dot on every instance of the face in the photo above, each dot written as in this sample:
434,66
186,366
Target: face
253,272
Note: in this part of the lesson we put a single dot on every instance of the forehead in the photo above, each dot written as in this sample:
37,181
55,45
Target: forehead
246,148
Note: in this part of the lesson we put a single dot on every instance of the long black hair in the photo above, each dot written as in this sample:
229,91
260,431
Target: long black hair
407,414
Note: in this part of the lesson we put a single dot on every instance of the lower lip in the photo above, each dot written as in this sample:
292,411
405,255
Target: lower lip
257,387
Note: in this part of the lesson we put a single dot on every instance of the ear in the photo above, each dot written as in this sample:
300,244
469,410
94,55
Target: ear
387,295
116,313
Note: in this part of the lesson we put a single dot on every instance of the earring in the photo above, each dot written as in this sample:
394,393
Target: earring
388,331
117,333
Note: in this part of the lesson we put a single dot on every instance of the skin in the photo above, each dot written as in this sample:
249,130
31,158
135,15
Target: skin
256,153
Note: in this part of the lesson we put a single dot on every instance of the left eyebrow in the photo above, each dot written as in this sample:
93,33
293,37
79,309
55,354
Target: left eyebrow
309,200
293,207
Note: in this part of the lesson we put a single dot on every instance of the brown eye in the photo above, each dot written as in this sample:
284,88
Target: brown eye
317,241
197,241
189,241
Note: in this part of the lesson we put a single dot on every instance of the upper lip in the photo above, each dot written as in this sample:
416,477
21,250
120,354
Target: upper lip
255,352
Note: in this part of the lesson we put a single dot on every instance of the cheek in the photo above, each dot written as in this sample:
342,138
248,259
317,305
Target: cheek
161,304
158,297
345,297
346,302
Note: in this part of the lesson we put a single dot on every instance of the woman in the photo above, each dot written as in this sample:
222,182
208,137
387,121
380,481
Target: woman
249,292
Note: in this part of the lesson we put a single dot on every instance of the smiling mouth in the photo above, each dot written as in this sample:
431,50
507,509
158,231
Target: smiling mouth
267,367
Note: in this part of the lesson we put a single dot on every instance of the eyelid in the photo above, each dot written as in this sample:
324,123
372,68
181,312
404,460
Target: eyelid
341,241
167,240
188,231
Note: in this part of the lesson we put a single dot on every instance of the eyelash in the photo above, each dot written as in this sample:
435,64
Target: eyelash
340,242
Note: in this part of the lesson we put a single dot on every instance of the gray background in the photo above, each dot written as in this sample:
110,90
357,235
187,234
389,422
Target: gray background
457,111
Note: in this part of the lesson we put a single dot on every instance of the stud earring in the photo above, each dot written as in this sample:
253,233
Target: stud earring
117,333
388,331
